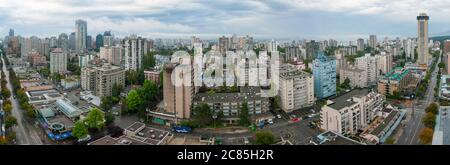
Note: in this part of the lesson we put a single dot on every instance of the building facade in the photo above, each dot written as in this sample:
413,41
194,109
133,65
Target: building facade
422,39
101,79
324,71
395,81
357,77
58,61
134,50
81,36
351,112
296,88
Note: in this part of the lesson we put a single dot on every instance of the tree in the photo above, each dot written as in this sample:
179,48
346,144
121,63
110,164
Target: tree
429,120
134,101
202,115
426,135
148,91
441,65
6,93
79,130
264,138
7,108
244,117
432,108
95,119
109,118
116,89
346,84
10,121
106,103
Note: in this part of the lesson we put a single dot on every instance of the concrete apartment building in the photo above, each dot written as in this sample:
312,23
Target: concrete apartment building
101,79
58,61
152,75
296,88
351,112
384,63
422,39
177,98
113,54
369,64
230,103
357,77
134,50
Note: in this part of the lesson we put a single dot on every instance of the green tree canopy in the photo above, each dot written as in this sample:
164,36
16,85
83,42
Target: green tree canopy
79,130
432,108
202,115
10,121
264,138
133,101
95,119
244,117
429,120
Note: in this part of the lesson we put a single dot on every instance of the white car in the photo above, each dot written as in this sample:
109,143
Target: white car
115,113
88,137
279,116
270,121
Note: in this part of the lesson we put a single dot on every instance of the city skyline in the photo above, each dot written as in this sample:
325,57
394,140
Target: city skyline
342,20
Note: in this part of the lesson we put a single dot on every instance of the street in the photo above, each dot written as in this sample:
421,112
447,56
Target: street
414,124
25,132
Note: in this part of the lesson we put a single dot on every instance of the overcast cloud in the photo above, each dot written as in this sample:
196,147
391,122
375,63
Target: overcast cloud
210,18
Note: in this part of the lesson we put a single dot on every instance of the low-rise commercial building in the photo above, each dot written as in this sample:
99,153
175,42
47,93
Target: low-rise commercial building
396,80
229,104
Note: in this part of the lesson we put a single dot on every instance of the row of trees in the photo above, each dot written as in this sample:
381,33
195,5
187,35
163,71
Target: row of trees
429,120
10,120
21,96
425,82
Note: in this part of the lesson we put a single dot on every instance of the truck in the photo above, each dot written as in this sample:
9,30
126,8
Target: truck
182,129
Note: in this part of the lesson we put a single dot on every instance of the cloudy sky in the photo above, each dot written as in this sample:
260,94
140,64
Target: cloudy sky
309,19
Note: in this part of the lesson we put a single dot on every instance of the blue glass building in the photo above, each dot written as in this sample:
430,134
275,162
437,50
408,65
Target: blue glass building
324,71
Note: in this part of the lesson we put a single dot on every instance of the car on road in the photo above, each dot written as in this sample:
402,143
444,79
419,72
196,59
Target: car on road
279,116
270,121
182,129
87,138
115,113
295,120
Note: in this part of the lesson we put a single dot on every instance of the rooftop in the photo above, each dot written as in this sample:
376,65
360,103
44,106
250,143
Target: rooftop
396,74
347,98
331,138
122,140
246,93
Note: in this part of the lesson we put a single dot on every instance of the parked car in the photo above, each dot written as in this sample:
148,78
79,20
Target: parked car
270,121
115,113
295,120
279,116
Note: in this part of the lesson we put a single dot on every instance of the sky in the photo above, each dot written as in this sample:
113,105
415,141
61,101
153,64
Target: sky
289,19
